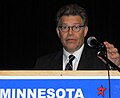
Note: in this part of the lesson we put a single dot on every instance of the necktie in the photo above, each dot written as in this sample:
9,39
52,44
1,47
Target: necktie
69,65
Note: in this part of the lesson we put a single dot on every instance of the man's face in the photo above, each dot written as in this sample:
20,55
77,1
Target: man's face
71,32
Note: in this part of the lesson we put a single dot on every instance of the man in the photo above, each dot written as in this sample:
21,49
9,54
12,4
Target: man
72,29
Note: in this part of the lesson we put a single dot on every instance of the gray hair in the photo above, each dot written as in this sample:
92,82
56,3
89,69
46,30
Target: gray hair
72,9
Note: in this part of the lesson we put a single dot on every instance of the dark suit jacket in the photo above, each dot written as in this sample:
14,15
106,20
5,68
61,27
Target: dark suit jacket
88,61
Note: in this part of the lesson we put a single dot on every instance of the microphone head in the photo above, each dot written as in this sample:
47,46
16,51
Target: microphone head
91,40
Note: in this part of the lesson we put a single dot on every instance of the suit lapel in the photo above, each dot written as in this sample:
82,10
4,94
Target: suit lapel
57,63
85,59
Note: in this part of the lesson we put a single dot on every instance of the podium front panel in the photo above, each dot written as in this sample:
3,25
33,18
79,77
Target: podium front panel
59,84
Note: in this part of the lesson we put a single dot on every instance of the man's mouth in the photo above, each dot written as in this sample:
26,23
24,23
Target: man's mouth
70,40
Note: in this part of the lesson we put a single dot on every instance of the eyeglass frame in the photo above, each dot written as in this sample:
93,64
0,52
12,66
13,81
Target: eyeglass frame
68,28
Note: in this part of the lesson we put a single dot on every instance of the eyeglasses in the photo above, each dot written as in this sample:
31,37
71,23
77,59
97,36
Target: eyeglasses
75,28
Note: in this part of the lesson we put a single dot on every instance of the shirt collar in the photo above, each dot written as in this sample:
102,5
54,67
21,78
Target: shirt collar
77,53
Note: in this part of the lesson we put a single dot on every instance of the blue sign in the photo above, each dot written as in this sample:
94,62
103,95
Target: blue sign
59,87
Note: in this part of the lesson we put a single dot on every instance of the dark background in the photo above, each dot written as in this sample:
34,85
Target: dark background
27,28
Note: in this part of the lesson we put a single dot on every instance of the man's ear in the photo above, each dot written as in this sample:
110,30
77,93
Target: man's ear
85,30
58,32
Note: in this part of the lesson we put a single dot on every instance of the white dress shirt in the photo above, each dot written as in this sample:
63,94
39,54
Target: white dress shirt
75,62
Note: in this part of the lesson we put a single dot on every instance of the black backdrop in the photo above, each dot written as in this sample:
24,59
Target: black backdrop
27,28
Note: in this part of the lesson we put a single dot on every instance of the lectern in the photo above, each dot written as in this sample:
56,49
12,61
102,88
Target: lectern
59,84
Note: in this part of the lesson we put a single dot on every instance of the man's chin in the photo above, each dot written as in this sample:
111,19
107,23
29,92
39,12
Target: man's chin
71,49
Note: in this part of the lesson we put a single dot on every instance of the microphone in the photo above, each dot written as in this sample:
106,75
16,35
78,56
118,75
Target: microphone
101,50
93,42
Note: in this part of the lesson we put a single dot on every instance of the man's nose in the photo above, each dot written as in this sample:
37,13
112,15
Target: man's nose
70,31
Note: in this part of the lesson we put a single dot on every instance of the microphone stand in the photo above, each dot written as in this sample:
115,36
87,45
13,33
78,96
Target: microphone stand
101,54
